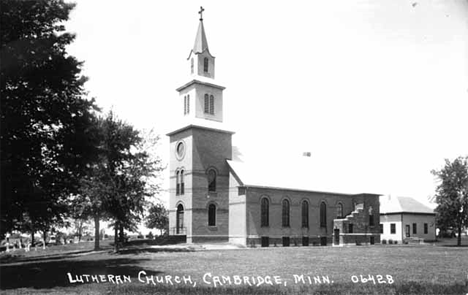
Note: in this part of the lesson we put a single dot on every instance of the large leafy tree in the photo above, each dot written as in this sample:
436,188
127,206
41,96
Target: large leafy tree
452,195
45,117
119,182
158,218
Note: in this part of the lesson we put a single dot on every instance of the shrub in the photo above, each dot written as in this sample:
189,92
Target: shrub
390,241
384,241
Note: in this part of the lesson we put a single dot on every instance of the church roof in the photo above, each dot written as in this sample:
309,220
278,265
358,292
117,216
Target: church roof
293,174
389,205
201,44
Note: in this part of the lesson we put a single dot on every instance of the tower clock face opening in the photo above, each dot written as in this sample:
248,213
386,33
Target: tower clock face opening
180,150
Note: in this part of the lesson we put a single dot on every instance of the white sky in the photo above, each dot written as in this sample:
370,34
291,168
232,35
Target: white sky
377,91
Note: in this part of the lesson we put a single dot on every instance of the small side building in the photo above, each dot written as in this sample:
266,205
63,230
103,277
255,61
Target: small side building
403,219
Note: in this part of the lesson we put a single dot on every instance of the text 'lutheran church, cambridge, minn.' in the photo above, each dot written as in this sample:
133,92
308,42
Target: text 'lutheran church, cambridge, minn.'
215,198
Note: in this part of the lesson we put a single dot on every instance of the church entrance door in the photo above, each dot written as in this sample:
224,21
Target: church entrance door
336,236
180,220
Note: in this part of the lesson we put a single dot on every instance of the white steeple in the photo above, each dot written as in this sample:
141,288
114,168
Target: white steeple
201,98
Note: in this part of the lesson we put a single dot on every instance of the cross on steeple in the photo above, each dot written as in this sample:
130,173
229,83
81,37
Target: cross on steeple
201,12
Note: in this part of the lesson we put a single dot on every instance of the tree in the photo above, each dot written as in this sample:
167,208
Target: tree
158,218
118,183
45,117
452,195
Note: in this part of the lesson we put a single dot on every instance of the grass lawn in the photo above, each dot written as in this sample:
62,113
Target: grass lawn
404,269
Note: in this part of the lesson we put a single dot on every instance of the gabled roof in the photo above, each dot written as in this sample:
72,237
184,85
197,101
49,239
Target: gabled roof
390,205
294,174
201,44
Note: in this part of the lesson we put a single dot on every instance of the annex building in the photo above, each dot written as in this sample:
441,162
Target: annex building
404,220
214,197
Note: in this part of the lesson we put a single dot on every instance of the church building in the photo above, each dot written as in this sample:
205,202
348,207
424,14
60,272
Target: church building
214,197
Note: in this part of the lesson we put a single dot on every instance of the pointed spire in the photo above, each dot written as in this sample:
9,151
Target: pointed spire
201,44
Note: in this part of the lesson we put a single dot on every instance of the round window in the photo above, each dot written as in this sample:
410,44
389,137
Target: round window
180,150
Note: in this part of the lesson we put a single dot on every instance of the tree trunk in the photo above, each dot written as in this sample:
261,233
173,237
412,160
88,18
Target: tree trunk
80,229
459,234
32,237
96,232
121,234
44,236
116,237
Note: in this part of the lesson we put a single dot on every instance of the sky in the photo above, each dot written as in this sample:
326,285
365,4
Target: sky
376,91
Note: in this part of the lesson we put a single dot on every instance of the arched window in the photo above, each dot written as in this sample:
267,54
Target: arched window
180,219
323,215
182,185
191,65
264,212
205,65
305,214
339,210
211,180
207,103
212,104
285,212
177,182
212,215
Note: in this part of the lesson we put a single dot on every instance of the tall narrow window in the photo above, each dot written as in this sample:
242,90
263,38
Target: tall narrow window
415,231
323,215
392,228
180,219
182,184
305,214
211,104
186,104
207,103
350,228
265,212
211,180
371,216
381,228
339,211
285,213
191,65
425,228
212,215
205,65
177,182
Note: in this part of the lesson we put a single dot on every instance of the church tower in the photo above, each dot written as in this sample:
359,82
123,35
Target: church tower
199,174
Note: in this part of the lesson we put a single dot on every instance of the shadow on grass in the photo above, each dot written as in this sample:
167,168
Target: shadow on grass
55,256
152,250
53,273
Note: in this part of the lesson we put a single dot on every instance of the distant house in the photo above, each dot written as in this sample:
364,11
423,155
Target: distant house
403,219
